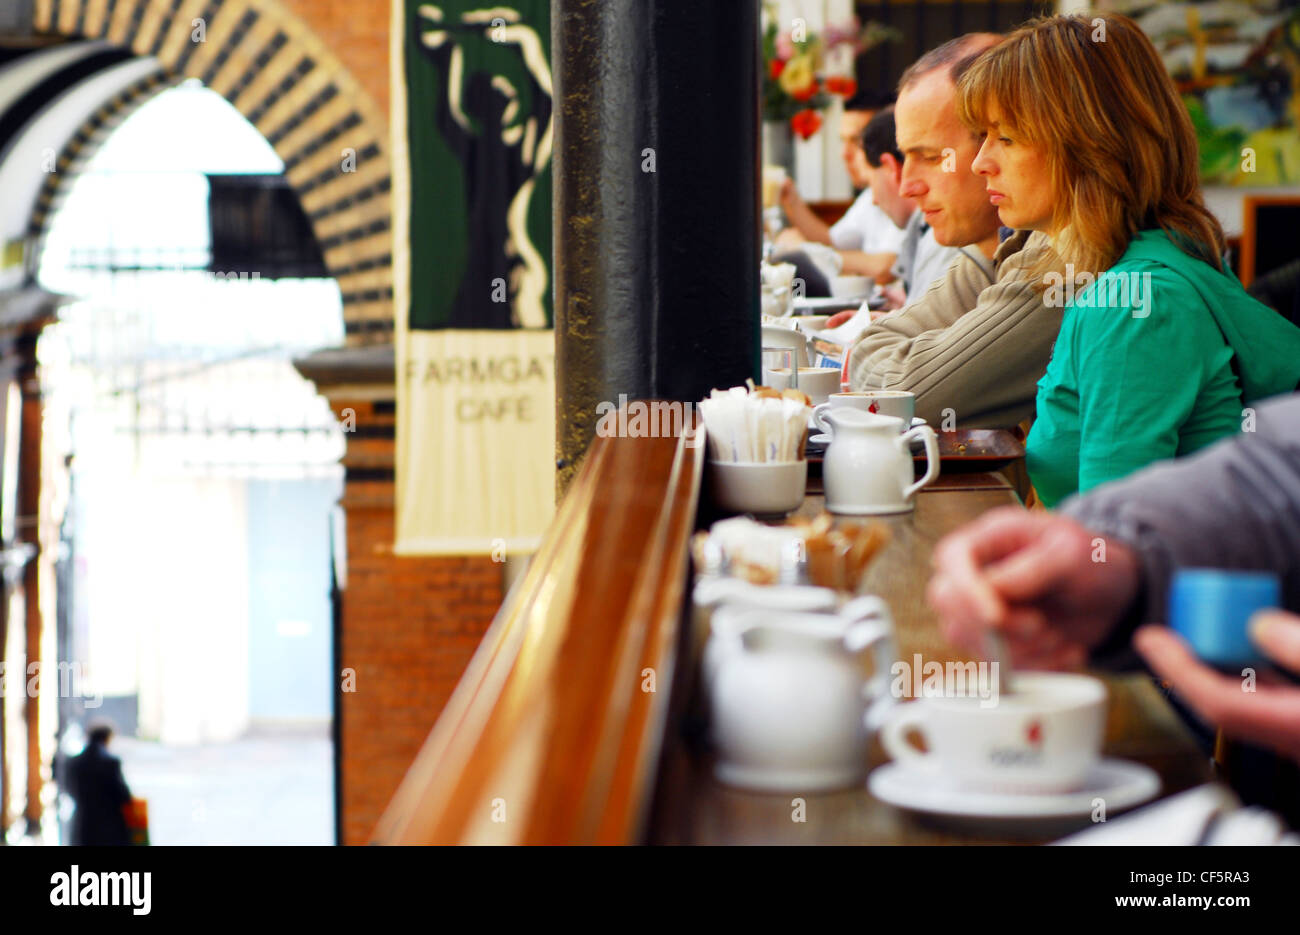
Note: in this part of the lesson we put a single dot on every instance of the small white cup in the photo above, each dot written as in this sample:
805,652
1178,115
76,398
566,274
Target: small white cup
766,488
817,382
850,287
1044,737
778,275
810,323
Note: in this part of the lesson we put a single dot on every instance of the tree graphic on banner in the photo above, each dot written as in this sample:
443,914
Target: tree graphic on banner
480,140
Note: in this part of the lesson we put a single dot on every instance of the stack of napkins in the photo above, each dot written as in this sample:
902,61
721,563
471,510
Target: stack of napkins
757,424
1209,814
848,333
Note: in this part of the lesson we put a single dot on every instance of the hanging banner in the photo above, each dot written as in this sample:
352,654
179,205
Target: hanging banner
475,352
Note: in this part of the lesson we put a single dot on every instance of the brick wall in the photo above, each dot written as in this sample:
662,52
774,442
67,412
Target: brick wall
410,626
357,33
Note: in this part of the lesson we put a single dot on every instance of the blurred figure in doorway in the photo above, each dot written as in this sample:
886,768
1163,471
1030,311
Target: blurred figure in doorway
97,786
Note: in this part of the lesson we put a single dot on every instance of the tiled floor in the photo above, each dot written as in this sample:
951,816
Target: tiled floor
265,788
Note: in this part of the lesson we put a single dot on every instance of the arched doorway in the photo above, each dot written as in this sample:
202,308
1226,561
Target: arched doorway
201,474
93,62
267,63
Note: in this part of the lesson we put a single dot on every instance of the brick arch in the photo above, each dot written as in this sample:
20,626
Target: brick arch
81,148
276,72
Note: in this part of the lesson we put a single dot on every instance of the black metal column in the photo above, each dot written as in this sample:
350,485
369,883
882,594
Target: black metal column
657,214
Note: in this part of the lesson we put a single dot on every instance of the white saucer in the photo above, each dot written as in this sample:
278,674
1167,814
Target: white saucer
1120,783
822,439
829,303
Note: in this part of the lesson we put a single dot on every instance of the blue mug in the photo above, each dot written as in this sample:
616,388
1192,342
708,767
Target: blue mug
1211,608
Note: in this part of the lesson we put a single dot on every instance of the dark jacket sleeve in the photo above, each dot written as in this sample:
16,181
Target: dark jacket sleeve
121,791
1235,505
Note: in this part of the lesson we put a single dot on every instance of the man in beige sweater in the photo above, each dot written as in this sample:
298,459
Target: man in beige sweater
974,346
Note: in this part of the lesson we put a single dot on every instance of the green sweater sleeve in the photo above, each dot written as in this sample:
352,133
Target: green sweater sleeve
1142,367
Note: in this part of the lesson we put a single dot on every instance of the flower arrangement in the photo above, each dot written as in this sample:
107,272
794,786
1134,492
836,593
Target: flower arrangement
793,88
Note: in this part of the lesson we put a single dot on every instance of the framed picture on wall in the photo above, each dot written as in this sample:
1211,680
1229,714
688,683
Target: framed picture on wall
1237,65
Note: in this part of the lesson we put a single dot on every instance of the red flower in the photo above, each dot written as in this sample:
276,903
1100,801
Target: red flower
806,123
844,87
805,94
775,67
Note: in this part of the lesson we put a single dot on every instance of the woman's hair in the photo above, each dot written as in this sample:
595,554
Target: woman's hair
1093,95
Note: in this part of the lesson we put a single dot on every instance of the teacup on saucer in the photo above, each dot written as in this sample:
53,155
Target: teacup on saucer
1043,737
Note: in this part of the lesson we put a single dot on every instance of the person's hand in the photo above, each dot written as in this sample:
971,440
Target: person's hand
1039,578
790,238
789,198
1269,715
840,318
894,297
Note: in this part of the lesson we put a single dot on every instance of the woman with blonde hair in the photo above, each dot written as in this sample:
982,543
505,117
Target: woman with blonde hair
1160,352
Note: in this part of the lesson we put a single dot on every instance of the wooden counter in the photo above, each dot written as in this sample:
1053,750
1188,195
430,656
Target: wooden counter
572,723
554,733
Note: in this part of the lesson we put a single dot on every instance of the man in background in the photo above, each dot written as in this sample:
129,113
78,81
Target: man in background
865,238
96,784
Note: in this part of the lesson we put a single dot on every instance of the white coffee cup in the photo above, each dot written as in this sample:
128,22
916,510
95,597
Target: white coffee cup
1043,737
809,323
817,382
850,287
778,275
900,404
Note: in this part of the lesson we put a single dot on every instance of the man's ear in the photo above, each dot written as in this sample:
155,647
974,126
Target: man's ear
895,167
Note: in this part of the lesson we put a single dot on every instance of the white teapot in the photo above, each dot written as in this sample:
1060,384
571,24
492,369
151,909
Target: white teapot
868,466
791,708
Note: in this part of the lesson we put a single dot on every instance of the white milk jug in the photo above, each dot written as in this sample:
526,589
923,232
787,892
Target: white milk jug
868,466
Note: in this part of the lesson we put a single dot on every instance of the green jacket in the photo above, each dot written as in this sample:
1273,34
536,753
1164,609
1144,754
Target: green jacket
1158,358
